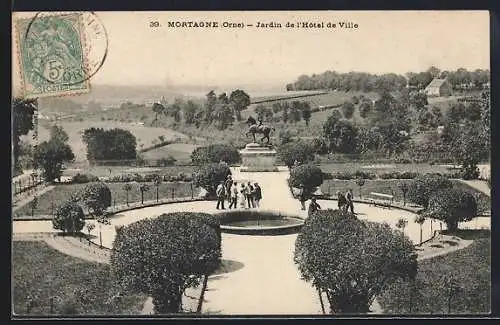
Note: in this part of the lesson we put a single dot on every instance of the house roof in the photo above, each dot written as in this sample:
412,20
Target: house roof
435,83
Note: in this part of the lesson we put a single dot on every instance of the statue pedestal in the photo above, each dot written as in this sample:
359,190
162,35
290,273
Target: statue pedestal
258,158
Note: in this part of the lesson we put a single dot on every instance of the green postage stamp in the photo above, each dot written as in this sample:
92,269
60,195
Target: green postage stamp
51,55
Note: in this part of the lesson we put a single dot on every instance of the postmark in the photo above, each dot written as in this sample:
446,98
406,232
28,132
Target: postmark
60,52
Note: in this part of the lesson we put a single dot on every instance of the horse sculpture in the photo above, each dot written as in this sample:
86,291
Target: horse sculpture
258,128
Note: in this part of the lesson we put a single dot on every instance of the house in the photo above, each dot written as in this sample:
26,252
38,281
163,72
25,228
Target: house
438,88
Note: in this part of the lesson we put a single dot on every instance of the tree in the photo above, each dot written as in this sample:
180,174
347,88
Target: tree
403,186
57,133
307,177
341,135
113,144
452,206
69,218
420,219
189,112
362,259
96,197
210,106
174,110
434,72
320,146
365,107
209,176
22,122
295,109
299,151
284,115
50,156
158,109
127,188
224,116
422,188
240,101
143,188
164,256
469,148
348,109
306,112
157,182
215,153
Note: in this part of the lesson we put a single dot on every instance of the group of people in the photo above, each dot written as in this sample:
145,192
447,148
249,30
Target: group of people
345,203
238,194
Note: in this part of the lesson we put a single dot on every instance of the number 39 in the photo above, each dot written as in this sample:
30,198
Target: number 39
154,24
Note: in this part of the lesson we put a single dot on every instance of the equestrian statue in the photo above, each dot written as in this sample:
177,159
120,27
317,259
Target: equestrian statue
258,128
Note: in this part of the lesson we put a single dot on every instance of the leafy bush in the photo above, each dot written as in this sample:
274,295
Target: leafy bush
422,188
362,259
83,178
320,146
363,174
209,176
469,172
164,256
307,176
96,197
452,206
69,218
215,153
298,151
398,175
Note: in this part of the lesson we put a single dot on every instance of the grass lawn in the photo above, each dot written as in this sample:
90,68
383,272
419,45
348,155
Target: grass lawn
469,267
180,151
49,201
378,168
42,272
390,186
145,135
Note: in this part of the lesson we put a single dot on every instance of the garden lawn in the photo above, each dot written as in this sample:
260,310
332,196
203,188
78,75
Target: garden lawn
180,151
469,267
104,171
391,186
379,168
42,272
49,201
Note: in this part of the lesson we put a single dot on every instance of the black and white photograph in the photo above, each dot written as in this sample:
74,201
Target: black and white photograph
250,163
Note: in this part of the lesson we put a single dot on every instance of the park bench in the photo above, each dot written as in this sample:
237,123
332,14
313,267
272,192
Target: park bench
381,199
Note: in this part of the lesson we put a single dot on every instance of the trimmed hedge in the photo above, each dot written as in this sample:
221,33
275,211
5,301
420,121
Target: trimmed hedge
384,175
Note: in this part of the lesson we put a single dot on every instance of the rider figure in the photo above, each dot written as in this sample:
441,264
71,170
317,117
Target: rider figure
260,123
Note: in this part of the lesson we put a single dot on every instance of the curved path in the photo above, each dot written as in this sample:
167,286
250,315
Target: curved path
269,281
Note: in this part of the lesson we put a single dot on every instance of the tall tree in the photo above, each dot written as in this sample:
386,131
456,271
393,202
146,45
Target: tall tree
306,112
51,155
210,106
240,101
22,122
158,109
189,112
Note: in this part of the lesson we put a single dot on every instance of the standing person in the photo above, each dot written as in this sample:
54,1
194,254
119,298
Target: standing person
313,207
221,191
258,194
233,195
341,201
350,204
242,195
248,191
227,186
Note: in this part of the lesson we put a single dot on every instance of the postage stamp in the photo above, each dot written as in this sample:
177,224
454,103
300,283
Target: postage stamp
52,55
58,53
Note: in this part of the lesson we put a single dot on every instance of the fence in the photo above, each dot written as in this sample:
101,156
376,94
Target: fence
26,183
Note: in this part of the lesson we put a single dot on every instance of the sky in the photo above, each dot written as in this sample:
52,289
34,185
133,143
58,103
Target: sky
397,41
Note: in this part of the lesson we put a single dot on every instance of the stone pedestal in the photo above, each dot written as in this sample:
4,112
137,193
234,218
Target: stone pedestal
256,157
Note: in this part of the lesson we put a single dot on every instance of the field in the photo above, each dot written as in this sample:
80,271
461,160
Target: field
469,267
146,136
180,151
49,201
391,186
42,272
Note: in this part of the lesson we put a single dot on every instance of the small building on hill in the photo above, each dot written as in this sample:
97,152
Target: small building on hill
438,88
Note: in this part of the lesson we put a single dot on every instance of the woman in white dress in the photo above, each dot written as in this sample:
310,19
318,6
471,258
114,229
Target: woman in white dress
242,196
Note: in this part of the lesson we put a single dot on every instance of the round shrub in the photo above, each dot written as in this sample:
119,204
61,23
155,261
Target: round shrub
298,151
69,218
164,256
307,176
215,153
469,172
452,206
209,176
363,257
422,187
96,197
